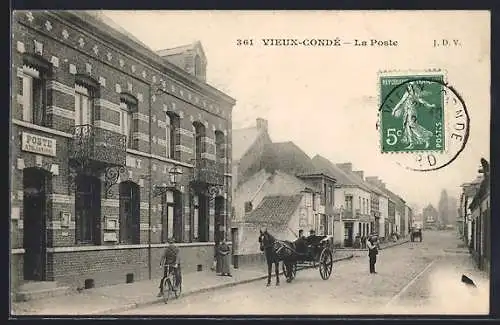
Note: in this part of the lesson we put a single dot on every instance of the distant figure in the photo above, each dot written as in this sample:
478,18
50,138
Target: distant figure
468,281
372,244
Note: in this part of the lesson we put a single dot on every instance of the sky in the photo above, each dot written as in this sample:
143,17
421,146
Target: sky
325,99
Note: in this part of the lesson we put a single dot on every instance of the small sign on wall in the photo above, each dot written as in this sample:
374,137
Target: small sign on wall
111,223
65,219
110,237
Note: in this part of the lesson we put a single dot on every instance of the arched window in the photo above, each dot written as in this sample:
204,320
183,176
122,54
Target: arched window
199,143
88,210
129,213
172,135
128,106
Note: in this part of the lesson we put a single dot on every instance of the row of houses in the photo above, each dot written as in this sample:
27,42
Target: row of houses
474,222
278,186
115,148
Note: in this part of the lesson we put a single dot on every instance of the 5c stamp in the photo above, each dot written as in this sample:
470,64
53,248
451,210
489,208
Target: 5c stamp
423,121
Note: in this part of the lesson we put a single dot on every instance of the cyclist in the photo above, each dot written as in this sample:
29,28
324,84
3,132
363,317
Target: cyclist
171,259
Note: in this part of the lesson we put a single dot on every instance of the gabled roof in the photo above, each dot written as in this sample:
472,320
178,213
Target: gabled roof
195,46
375,189
287,157
243,139
275,209
324,165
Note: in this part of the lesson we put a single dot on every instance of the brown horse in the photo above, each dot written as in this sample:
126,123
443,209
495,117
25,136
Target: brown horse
276,251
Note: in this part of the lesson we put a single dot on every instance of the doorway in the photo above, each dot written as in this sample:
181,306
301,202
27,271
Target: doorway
348,234
36,186
203,227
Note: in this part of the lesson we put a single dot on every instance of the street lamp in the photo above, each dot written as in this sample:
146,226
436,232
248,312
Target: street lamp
161,189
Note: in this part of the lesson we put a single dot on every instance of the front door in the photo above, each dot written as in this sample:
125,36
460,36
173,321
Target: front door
35,188
348,234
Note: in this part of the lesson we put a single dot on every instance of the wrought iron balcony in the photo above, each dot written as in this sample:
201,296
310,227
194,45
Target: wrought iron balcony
92,146
208,172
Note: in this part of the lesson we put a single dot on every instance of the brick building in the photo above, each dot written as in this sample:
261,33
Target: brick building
114,149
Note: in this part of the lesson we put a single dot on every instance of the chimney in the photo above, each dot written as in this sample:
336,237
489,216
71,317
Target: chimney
382,184
346,167
261,124
372,179
359,173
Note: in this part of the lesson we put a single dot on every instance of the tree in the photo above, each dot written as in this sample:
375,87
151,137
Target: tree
444,208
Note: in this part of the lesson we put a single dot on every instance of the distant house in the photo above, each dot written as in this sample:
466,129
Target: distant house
352,202
430,215
469,190
280,202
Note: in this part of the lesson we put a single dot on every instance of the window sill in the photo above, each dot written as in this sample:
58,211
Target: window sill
41,128
84,248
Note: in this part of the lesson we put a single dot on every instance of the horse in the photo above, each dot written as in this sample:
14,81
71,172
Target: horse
275,252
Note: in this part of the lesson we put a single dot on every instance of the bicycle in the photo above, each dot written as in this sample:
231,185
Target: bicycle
168,282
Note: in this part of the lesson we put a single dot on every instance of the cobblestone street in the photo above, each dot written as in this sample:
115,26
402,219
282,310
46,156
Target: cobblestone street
410,278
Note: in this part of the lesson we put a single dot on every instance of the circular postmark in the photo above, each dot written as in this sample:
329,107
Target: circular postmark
423,121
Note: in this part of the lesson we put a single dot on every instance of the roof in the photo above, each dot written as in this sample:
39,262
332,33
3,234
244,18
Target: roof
182,48
243,139
98,23
325,165
287,157
275,209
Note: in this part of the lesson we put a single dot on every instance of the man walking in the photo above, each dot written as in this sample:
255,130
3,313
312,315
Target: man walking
372,244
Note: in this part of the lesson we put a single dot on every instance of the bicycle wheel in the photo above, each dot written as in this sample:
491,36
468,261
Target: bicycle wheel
167,289
178,287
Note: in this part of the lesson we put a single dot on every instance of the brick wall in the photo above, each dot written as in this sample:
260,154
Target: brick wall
73,51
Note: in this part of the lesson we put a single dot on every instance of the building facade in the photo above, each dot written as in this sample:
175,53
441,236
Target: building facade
480,208
115,149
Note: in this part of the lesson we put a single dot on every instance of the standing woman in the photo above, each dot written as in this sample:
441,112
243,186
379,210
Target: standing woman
372,244
224,258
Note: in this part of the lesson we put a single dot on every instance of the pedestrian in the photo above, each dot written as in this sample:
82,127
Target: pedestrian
372,244
224,259
215,264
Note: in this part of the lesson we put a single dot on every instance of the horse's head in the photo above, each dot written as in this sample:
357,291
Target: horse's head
265,239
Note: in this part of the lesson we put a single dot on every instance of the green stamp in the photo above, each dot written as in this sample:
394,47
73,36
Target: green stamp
412,113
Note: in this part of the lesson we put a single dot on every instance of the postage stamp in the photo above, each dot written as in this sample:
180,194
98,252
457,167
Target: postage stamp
422,119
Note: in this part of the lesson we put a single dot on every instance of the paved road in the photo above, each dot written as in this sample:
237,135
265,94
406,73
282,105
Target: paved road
411,278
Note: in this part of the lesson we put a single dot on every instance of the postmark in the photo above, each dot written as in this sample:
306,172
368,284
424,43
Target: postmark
423,121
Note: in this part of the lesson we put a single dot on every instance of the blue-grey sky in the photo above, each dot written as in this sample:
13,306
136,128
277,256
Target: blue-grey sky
325,99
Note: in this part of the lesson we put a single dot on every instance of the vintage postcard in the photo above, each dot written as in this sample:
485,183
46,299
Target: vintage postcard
250,162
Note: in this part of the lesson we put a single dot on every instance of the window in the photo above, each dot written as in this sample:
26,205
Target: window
88,210
196,218
167,217
248,206
220,154
129,212
348,203
32,90
324,193
199,144
332,195
198,68
127,124
172,135
83,105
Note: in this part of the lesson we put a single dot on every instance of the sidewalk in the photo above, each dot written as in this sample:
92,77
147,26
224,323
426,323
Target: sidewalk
112,299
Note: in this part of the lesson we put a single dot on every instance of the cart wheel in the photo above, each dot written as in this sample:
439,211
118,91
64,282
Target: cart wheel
325,264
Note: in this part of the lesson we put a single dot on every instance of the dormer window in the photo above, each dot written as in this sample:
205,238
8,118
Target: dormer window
198,67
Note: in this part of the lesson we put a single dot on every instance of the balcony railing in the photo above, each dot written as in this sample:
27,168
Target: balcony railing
209,172
98,146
